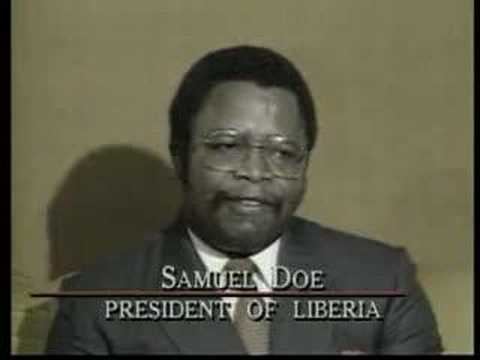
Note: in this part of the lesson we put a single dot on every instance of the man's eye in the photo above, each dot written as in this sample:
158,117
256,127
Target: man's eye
286,154
224,146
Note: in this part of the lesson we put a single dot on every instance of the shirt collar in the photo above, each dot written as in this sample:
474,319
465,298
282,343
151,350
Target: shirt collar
215,260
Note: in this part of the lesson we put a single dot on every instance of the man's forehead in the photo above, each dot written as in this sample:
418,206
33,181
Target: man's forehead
241,95
250,108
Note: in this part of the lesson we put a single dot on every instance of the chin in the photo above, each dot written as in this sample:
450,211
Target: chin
245,240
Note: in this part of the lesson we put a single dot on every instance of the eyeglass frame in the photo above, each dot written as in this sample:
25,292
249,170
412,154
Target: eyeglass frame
207,139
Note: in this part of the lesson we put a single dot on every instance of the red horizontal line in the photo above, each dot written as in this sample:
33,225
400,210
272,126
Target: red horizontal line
222,293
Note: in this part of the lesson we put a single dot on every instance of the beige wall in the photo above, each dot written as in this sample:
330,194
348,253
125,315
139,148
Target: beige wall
92,80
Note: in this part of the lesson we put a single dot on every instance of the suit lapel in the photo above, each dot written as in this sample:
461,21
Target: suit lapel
196,337
290,336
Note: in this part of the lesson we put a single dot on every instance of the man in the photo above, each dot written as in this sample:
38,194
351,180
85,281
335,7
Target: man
242,128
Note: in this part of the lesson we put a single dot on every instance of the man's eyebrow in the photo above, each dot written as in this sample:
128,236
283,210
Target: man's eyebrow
236,132
222,131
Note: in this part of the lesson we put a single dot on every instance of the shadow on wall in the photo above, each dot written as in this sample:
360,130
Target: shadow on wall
112,199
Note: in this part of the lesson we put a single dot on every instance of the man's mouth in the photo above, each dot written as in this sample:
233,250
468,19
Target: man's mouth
248,204
250,200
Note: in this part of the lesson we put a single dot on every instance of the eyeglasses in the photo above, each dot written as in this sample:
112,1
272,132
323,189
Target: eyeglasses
226,151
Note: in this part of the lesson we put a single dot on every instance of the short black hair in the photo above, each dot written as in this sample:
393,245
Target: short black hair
260,65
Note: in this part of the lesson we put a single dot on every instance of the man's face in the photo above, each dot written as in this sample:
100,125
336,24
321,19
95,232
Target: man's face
241,187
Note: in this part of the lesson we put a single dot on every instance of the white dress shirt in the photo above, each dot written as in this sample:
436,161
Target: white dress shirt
215,260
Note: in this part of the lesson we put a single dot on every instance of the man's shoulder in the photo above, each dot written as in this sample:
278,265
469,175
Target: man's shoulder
123,269
348,248
338,238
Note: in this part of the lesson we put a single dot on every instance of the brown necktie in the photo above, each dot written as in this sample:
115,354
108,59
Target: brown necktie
254,334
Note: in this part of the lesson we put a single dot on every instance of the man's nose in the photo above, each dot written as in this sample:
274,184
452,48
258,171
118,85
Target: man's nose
254,166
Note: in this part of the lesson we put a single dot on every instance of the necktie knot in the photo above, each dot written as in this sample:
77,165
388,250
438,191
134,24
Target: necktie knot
241,264
247,265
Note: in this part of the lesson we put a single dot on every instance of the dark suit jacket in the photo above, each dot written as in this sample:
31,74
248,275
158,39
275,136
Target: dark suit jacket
350,262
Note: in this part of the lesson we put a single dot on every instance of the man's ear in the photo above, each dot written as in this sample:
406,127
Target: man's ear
307,160
178,164
307,163
178,167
